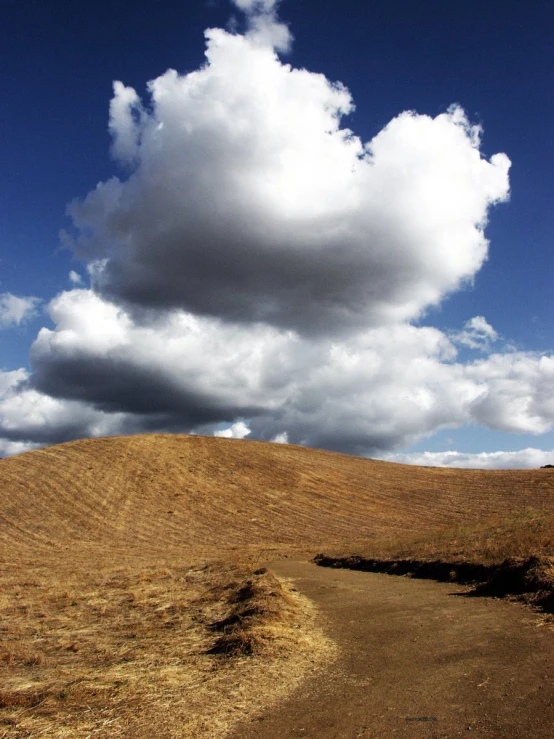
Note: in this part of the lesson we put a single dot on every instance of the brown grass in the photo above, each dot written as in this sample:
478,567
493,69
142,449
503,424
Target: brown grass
503,556
129,603
144,650
162,492
521,535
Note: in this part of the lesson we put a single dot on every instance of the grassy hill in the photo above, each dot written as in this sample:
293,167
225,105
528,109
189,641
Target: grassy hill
133,602
164,492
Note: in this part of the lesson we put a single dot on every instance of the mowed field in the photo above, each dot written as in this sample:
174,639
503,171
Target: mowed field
162,492
133,598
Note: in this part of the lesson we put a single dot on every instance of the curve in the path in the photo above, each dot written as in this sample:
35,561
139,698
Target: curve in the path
417,659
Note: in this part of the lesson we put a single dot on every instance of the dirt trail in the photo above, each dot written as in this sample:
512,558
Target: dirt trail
417,659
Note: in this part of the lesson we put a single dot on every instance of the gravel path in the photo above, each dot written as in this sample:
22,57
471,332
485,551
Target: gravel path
417,659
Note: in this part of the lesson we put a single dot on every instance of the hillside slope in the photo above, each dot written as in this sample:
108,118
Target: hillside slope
160,492
132,601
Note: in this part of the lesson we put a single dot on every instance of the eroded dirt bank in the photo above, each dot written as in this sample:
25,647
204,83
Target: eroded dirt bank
417,659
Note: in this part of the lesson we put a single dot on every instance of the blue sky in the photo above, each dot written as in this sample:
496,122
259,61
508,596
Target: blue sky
494,60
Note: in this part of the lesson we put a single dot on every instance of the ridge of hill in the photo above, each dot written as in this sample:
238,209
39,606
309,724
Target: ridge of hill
158,492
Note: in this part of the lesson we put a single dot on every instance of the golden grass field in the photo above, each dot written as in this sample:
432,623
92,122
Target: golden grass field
133,599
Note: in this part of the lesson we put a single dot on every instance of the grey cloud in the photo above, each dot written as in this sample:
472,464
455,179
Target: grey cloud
100,372
115,385
375,390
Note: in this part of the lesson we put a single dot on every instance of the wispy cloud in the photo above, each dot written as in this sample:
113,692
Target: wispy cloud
477,334
15,310
522,459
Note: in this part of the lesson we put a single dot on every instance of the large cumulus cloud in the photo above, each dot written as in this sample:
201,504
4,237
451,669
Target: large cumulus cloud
248,200
257,269
374,390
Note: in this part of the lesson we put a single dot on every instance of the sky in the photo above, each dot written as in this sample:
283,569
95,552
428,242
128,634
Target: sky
320,223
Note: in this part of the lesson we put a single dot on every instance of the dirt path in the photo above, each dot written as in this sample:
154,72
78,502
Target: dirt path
417,659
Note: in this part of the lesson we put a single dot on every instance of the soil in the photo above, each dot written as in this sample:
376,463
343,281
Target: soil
416,659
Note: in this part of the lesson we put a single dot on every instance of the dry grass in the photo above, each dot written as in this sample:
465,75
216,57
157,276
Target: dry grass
503,556
129,603
139,651
528,533
163,492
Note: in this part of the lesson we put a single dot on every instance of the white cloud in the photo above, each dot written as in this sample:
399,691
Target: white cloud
375,390
125,106
249,6
238,430
8,448
176,363
517,392
248,201
10,381
75,277
524,459
263,27
15,310
477,334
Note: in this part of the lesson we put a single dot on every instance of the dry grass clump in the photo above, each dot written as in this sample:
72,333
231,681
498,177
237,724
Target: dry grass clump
255,611
169,650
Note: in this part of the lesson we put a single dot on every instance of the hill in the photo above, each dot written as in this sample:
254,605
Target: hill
164,492
133,602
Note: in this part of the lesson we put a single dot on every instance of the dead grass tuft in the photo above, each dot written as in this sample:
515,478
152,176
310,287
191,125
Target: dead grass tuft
254,614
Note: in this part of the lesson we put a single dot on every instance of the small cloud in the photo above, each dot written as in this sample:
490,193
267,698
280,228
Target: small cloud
264,28
238,430
256,6
477,334
15,310
281,438
125,110
75,277
8,448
